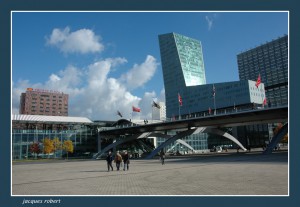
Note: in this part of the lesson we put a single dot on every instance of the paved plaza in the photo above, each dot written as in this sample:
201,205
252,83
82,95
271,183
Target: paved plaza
230,173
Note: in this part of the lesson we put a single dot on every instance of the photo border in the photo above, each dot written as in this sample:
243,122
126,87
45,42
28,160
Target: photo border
138,5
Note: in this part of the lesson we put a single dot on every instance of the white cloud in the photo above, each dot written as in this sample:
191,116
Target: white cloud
146,105
140,74
93,93
81,41
162,96
210,19
209,22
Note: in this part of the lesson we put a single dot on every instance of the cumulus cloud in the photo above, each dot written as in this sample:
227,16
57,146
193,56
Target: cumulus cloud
140,74
93,93
81,41
162,96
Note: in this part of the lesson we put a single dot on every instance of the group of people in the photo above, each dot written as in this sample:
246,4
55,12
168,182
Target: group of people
118,160
125,159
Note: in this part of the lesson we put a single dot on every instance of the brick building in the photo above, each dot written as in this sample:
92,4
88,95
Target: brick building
44,102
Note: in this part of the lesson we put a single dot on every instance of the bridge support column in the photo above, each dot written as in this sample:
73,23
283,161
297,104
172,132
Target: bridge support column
224,134
118,142
195,131
180,141
99,142
279,136
173,139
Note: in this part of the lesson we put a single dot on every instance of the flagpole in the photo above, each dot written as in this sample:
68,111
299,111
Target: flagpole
179,111
262,97
215,105
215,99
152,113
179,104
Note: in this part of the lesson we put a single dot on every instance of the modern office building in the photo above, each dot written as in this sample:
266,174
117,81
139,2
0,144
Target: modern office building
44,102
270,61
186,90
188,95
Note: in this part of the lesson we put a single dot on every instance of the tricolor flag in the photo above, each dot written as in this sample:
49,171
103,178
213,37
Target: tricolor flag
214,91
179,99
156,105
119,114
258,81
135,109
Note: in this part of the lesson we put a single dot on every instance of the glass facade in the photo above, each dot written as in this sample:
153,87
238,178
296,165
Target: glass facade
270,60
182,63
191,60
184,74
22,140
84,137
197,141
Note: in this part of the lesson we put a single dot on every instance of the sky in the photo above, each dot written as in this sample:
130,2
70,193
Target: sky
110,61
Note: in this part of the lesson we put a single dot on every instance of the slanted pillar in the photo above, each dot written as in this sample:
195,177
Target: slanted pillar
118,142
279,136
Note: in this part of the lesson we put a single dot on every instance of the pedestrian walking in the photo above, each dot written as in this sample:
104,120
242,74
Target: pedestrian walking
126,160
118,160
109,160
162,157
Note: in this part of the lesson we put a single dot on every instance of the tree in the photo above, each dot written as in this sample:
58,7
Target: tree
56,145
48,146
285,138
35,148
276,130
68,147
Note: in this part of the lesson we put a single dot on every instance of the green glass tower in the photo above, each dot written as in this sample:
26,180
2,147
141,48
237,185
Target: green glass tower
186,90
189,58
183,66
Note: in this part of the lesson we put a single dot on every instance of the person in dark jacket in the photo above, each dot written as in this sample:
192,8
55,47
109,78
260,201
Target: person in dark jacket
109,160
126,160
118,160
162,156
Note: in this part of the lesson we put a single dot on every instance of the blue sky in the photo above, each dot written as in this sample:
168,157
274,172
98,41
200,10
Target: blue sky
109,61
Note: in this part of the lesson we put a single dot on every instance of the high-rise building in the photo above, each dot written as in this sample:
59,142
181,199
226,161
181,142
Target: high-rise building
186,91
270,62
44,102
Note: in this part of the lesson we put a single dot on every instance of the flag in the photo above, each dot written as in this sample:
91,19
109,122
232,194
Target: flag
214,91
265,102
258,81
209,110
119,113
156,105
135,109
179,99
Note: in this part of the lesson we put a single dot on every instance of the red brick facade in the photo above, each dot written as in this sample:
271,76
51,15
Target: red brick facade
44,102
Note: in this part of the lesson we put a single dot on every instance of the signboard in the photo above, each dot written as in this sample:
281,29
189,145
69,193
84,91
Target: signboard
43,90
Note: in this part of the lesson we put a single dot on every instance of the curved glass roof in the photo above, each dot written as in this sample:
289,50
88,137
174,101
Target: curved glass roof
50,119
